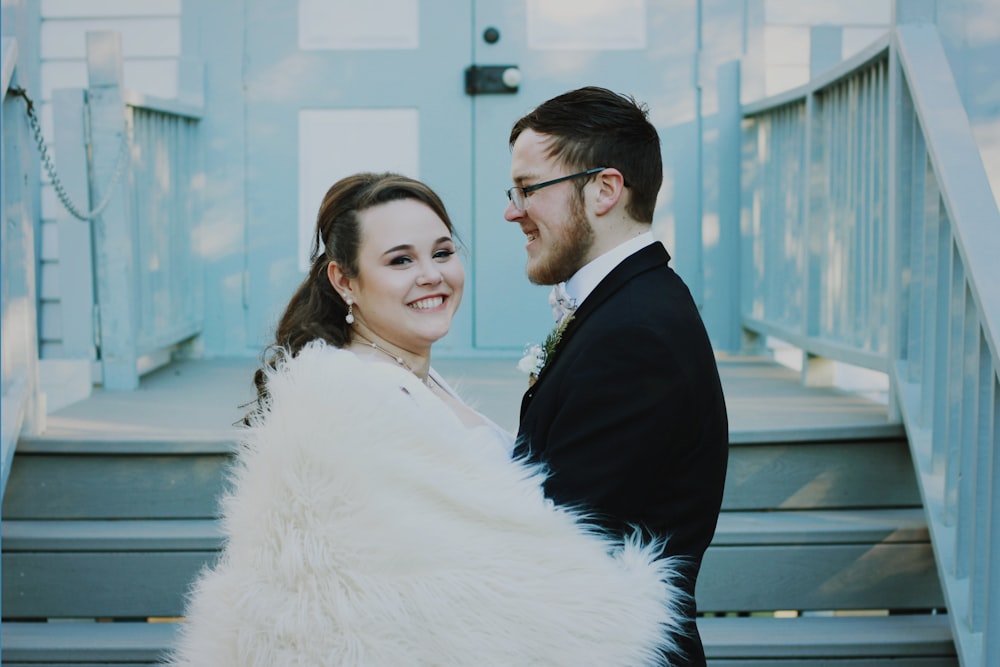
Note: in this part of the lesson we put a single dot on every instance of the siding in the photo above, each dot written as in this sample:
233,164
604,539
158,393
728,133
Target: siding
151,44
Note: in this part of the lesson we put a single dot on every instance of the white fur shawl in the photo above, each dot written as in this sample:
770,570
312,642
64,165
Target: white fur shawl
367,526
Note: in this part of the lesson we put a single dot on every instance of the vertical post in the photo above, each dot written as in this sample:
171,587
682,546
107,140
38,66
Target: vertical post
825,49
76,266
113,238
730,149
23,407
913,11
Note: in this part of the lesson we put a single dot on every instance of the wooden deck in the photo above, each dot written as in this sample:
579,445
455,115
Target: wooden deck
820,502
199,401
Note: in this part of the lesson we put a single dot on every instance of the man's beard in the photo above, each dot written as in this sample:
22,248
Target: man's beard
567,251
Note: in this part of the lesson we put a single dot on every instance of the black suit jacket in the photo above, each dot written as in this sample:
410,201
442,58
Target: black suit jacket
629,416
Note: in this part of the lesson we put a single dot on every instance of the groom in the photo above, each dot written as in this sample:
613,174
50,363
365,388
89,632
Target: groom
627,412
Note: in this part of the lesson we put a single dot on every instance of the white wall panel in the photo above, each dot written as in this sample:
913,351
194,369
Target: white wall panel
373,24
49,284
586,24
141,38
109,8
62,74
151,44
50,241
840,12
334,143
856,39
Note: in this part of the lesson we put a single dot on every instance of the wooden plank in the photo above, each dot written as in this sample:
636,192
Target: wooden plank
738,578
76,270
826,475
70,536
803,527
114,487
828,661
76,643
924,641
735,528
109,445
819,577
823,637
98,585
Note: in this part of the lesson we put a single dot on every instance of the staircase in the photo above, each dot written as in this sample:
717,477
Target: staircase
822,516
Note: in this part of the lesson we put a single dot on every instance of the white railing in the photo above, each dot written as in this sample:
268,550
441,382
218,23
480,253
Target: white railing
870,234
148,274
18,340
814,214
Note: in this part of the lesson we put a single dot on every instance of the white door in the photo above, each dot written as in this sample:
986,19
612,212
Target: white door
335,87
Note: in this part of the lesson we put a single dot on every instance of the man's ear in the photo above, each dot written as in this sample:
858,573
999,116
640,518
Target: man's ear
611,188
339,280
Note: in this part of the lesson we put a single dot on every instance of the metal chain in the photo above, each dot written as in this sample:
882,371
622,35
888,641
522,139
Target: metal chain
50,167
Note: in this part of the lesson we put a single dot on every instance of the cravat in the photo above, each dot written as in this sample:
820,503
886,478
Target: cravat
562,303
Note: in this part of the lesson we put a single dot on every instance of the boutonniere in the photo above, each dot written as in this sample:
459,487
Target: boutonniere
536,356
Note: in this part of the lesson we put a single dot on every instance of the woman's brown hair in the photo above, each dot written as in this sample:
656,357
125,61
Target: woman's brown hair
316,311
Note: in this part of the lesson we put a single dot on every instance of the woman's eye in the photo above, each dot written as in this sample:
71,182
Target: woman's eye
399,261
443,254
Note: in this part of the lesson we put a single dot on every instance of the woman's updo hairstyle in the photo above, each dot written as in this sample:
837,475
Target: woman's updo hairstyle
316,310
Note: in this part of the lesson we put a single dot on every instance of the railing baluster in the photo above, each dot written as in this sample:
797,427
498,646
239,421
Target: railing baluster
945,450
899,243
914,345
947,427
959,493
991,591
980,506
929,279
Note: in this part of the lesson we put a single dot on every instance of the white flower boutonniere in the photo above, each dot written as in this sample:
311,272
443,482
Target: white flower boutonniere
536,356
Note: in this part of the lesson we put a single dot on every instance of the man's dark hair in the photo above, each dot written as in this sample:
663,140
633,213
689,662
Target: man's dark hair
595,127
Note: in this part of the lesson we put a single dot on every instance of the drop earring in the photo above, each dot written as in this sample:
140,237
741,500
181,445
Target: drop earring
350,312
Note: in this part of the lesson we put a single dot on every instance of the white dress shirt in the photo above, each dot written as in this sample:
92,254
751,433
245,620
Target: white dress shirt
589,276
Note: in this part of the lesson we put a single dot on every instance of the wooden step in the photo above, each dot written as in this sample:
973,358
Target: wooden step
820,474
820,560
867,641
116,480
796,560
184,479
918,640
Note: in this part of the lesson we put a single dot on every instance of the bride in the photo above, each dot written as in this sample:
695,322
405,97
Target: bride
373,517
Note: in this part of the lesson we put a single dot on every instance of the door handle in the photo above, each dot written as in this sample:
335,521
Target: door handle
492,79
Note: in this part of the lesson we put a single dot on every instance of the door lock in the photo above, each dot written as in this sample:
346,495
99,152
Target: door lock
492,79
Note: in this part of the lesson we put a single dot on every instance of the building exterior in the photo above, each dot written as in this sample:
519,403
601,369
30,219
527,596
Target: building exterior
296,95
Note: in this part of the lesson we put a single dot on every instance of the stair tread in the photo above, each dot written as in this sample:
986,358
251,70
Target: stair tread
112,535
880,525
735,528
811,636
106,444
819,636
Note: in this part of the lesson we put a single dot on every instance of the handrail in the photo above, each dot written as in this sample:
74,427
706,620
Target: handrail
18,412
866,200
946,365
957,164
148,271
163,105
807,206
9,47
839,72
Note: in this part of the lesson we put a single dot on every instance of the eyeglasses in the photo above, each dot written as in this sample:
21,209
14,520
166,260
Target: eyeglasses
519,196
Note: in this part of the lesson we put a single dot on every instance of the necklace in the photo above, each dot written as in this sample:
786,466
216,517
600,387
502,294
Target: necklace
398,359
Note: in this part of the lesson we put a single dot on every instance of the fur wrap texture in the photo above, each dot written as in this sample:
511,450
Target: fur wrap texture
367,526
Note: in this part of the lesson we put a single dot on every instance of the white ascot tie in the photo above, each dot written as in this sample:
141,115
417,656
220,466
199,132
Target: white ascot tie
562,303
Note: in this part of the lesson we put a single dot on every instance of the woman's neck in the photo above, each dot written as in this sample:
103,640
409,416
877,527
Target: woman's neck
417,364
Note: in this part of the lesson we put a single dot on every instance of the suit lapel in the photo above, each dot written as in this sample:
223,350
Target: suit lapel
650,257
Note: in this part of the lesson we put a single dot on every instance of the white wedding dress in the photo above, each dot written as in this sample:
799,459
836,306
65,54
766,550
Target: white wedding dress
367,526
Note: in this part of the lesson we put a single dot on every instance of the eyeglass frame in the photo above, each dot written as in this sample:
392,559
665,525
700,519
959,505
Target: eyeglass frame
528,189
